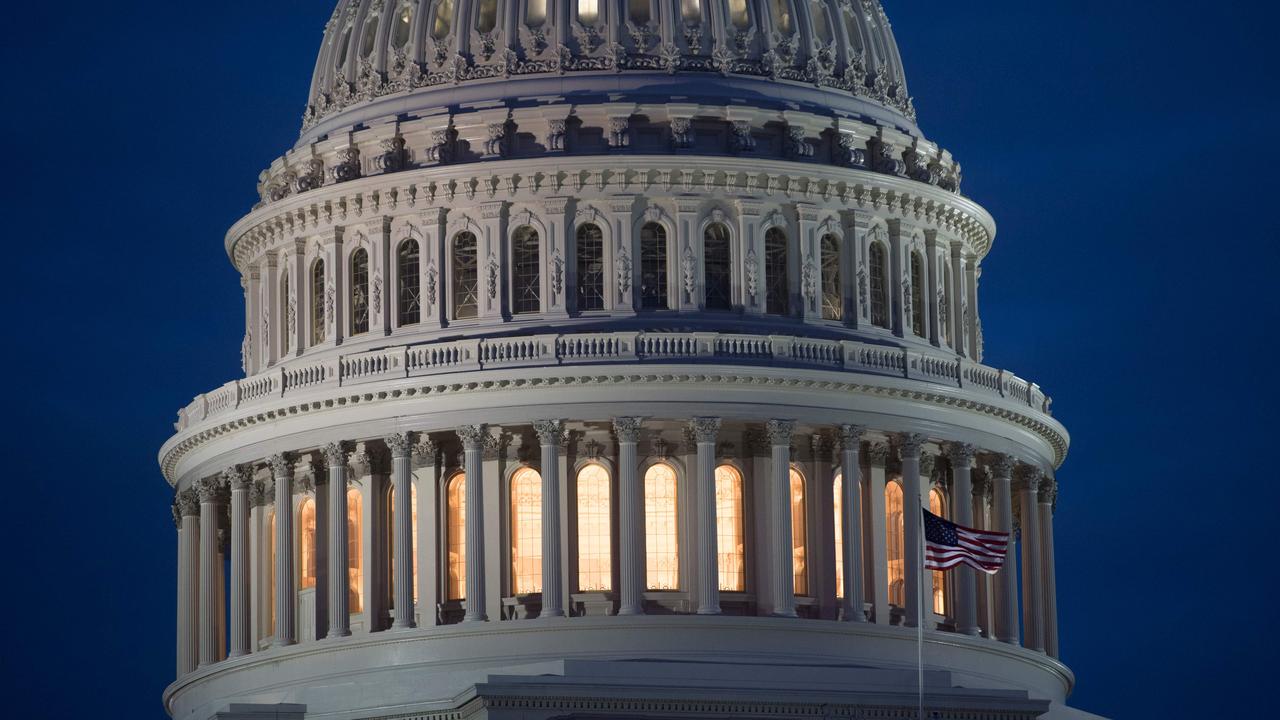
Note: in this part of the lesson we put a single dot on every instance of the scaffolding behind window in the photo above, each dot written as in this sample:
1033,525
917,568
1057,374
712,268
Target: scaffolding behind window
359,291
879,286
590,261
717,276
832,290
526,271
317,302
466,276
776,281
409,299
917,295
653,267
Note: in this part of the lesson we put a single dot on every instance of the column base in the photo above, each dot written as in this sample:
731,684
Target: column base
338,634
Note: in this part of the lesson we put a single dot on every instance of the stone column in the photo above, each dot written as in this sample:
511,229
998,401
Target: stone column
473,463
239,480
707,562
338,600
424,458
631,567
549,432
1029,479
1006,580
878,459
784,598
1048,500
966,613
912,520
402,527
188,502
213,495
982,521
852,609
286,589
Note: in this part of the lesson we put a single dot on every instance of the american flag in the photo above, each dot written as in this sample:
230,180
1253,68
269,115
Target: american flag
947,545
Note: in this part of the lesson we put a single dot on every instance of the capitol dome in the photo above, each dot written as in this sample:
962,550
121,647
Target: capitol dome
594,354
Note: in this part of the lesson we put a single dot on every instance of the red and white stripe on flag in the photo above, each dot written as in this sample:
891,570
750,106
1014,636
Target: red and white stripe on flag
948,545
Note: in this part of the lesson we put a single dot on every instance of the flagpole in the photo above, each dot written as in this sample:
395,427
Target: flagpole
920,619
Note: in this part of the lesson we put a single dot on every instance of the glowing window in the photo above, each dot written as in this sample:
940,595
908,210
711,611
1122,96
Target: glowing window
894,542
466,276
355,558
799,534
653,267
413,541
730,516
590,251
780,10
307,543
402,25
595,550
285,341
832,292
776,281
443,20
359,292
456,536
409,297
716,264
917,295
535,13
879,286
739,14
526,272
691,10
837,494
661,529
588,11
317,302
939,577
526,531
487,15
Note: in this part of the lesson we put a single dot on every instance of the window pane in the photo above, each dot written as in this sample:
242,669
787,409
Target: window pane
317,302
344,46
781,11
487,17
879,286
588,11
526,531
466,277
307,543
359,292
525,271
832,292
739,14
590,268
777,281
410,297
638,10
939,576
837,493
717,276
893,543
402,27
456,536
661,527
917,295
730,550
595,552
355,558
535,13
691,10
443,20
369,39
653,267
821,28
799,534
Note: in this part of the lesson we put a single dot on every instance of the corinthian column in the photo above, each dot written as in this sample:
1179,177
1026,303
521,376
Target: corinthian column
286,592
213,495
1029,479
1006,580
473,463
401,527
1049,499
784,596
912,519
630,519
239,480
338,599
878,459
851,522
704,432
549,432
961,457
188,502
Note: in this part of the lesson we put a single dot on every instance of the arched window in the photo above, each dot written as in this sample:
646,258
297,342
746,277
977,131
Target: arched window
739,14
402,25
638,11
286,342
799,534
730,517
526,531
391,542
716,274
317,302
455,496
369,36
837,505
466,276
939,577
487,15
917,295
526,271
894,542
307,544
355,545
588,11
408,283
661,529
879,286
535,13
344,48
821,27
691,10
946,313
653,267
832,291
590,261
777,286
444,19
595,531
359,291
780,11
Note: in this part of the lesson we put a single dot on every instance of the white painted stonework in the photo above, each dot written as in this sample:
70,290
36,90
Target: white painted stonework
682,263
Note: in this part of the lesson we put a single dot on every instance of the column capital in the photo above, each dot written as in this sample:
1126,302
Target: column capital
1049,491
851,437
878,454
627,429
211,490
399,444
780,431
237,477
1001,467
960,454
473,436
927,463
549,432
1029,477
281,466
705,429
334,455
425,451
909,445
368,459
188,502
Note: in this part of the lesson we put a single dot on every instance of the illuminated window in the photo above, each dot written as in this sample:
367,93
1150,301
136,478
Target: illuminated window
402,25
781,12
590,251
285,341
716,273
799,534
526,270
691,10
317,302
487,15
776,281
917,295
739,14
588,11
359,292
939,577
526,531
653,267
466,276
595,551
535,13
832,292
443,20
409,298
837,494
894,542
730,516
661,529
456,536
355,558
879,286
413,541
307,543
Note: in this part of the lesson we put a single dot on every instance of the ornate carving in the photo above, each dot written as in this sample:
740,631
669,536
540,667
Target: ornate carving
237,477
878,454
425,451
681,132
627,429
851,437
850,153
927,463
960,454
211,490
259,494
780,431
556,131
753,275
440,149
689,271
334,455
392,158
661,448
491,272
1029,477
348,166
557,273
1001,466
797,145
809,277
311,177
909,445
496,145
622,267
281,466
705,429
740,138
693,37
399,444
592,449
549,431
188,502
619,132
473,436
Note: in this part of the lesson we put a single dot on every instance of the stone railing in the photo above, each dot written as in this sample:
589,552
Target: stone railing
436,358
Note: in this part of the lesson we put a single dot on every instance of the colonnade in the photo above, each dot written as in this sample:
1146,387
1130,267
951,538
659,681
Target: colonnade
986,490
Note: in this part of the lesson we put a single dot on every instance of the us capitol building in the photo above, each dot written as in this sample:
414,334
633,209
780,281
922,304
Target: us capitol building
594,352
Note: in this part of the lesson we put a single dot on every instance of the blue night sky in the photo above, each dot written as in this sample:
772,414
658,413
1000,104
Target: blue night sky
1127,151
